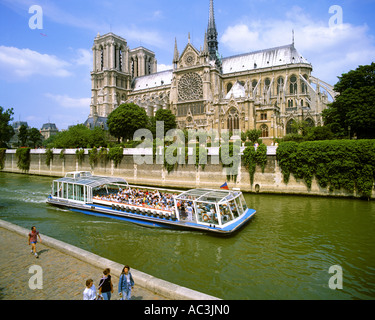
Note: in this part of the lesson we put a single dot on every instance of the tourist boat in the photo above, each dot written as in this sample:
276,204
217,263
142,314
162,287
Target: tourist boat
217,211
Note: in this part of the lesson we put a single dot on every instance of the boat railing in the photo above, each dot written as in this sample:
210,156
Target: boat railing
141,209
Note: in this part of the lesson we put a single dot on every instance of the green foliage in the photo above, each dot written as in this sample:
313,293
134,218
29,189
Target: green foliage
80,154
230,159
103,155
35,137
125,120
93,157
253,135
200,157
166,116
286,154
251,158
249,161
62,154
116,154
353,111
2,157
336,164
6,130
23,135
79,136
49,156
261,156
23,156
170,154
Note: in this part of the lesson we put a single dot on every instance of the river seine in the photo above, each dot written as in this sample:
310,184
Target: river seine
285,252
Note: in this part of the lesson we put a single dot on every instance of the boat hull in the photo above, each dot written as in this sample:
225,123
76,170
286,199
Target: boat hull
151,221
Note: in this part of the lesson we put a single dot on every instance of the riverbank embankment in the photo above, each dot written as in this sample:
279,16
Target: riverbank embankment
270,180
65,269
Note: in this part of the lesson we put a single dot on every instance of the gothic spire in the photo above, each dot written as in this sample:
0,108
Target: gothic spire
211,21
212,42
176,55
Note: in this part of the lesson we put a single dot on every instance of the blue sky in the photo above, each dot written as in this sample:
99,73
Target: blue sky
45,74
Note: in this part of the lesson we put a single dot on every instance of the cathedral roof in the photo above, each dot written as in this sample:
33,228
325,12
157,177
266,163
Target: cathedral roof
153,80
273,57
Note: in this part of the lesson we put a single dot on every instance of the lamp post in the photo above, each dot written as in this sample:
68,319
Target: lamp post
349,132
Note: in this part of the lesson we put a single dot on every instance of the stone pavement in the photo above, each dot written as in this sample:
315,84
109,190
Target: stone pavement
64,277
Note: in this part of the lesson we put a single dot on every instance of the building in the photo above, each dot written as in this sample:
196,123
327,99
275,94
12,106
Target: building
48,130
267,90
13,142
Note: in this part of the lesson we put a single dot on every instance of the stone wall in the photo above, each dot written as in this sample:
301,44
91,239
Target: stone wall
186,176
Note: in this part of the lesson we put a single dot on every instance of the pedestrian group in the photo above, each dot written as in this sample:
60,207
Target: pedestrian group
105,286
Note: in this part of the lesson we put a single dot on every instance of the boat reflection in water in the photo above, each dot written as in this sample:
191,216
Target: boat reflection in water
215,211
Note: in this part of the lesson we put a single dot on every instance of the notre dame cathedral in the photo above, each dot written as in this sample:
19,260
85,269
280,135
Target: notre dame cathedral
266,90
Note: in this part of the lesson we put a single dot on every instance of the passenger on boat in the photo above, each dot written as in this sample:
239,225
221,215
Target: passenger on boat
151,199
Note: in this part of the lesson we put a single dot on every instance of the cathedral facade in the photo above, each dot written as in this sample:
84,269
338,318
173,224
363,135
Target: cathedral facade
267,90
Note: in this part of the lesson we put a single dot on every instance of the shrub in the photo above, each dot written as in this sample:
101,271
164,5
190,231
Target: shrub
2,158
23,155
49,156
336,164
116,154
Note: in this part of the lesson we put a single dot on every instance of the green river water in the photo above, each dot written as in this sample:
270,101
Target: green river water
285,252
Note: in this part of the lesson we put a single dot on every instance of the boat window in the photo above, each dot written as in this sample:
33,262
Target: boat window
226,214
239,205
244,205
233,208
65,191
70,192
79,193
186,210
207,213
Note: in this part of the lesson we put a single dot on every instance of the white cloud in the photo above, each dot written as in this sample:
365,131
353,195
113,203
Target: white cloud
331,50
68,102
84,58
164,67
22,63
143,37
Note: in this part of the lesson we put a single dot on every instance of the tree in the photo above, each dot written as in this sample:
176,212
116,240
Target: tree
79,136
125,120
23,135
353,111
35,137
6,130
168,118
253,135
320,133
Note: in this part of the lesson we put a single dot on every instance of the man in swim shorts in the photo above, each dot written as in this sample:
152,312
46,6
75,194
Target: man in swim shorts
33,235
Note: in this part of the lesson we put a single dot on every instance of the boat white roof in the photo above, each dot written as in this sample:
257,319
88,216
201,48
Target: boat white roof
272,57
208,195
93,181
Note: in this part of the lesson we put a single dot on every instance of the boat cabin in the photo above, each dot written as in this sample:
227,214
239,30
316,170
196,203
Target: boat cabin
78,186
210,207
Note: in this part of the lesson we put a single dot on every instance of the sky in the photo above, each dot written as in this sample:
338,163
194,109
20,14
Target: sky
46,59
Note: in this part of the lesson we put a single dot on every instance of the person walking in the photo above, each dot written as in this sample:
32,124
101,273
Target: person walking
33,239
105,285
125,284
90,292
